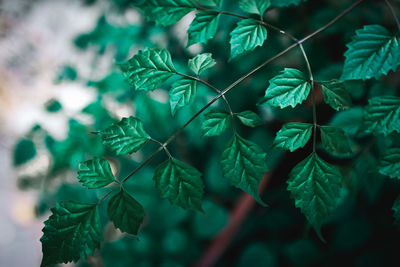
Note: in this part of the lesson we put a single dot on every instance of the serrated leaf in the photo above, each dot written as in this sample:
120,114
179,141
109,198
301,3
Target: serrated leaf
396,210
289,88
336,95
249,118
247,35
373,52
166,12
315,186
216,3
389,164
335,140
293,136
285,3
243,164
203,27
125,212
73,231
180,183
125,137
201,63
255,6
182,93
382,115
95,173
215,123
148,69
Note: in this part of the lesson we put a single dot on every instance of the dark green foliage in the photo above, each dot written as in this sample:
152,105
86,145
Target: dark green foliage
24,151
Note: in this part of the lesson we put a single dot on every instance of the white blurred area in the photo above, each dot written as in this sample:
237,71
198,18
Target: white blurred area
36,38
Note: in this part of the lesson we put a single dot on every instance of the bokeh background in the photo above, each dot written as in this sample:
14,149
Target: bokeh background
59,82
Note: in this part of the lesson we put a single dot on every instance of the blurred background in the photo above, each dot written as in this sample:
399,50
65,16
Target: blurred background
59,83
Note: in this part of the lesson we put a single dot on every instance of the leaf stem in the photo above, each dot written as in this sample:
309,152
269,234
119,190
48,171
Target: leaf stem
244,17
314,106
161,145
241,79
105,196
231,113
393,13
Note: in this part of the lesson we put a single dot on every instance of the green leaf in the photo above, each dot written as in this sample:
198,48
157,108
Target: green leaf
289,88
125,137
396,210
315,186
201,63
180,183
255,6
95,173
247,35
125,212
389,164
182,93
148,69
336,95
382,115
73,231
244,164
166,12
293,136
373,52
335,140
285,3
203,27
216,3
24,151
215,123
249,118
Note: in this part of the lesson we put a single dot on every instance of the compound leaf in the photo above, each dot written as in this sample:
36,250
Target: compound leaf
247,35
249,118
166,12
95,173
180,183
182,93
336,95
125,137
389,164
243,164
201,63
293,136
254,6
382,115
125,212
315,186
203,27
215,123
335,140
373,52
148,69
289,88
73,231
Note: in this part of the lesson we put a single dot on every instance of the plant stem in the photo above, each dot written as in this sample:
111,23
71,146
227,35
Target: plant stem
105,196
314,107
161,145
393,13
241,79
244,17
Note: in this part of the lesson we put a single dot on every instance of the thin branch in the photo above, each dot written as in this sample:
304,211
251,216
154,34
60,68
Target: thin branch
241,79
393,13
161,145
244,17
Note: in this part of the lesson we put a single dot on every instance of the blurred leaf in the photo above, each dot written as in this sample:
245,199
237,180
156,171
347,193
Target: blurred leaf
389,164
254,6
24,151
249,118
203,27
336,95
206,226
335,140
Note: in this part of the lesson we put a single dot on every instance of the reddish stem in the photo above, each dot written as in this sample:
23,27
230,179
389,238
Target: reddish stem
243,206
